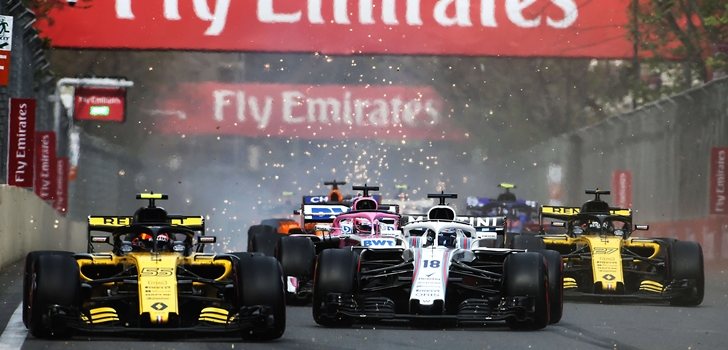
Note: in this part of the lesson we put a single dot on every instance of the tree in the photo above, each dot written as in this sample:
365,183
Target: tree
685,42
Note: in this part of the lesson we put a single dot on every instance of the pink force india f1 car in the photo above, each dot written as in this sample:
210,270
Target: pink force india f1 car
438,269
366,222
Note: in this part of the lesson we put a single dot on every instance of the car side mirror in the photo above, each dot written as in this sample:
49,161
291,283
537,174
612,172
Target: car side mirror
322,227
392,233
208,239
99,239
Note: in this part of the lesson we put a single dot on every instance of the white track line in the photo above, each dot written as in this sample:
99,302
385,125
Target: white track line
14,334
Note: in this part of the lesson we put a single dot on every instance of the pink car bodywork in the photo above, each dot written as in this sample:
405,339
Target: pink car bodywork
349,226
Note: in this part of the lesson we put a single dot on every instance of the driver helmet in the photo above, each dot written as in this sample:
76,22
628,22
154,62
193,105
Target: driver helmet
447,239
429,238
142,242
594,226
164,243
363,226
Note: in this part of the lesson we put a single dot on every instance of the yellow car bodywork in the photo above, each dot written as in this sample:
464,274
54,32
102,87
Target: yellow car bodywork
157,274
606,256
157,278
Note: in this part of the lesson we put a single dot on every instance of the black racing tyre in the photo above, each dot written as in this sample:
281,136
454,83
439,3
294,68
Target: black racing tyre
527,242
665,245
262,239
555,267
686,263
335,273
668,240
525,274
239,255
297,256
295,231
54,281
260,282
30,258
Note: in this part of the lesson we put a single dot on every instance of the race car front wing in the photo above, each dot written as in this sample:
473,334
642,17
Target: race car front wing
469,310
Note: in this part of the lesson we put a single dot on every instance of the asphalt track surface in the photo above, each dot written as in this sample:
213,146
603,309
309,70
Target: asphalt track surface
584,326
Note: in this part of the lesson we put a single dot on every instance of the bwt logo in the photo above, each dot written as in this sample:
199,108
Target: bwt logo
378,243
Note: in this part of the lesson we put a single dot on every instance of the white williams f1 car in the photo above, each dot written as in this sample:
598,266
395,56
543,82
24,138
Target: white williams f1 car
438,269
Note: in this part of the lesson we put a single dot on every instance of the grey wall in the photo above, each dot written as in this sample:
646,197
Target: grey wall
666,145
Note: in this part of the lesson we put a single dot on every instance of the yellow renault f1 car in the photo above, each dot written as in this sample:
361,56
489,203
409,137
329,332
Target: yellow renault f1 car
602,260
155,279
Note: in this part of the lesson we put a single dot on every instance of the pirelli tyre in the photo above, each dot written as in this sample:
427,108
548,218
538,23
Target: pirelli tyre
665,246
297,256
30,259
686,266
262,239
53,292
555,267
335,273
525,274
260,282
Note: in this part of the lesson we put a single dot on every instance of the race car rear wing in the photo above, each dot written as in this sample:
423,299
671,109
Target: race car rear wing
390,208
194,223
561,212
482,224
564,213
109,223
485,203
472,220
321,213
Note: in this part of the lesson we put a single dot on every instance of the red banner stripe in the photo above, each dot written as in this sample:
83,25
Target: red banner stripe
45,165
21,137
561,28
308,112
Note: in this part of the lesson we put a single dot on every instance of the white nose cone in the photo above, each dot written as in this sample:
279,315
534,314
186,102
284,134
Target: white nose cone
430,275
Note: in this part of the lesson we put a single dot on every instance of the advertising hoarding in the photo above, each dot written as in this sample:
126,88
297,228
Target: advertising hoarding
21,137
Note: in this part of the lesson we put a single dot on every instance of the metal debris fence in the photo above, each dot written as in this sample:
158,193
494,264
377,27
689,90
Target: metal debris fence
30,74
666,146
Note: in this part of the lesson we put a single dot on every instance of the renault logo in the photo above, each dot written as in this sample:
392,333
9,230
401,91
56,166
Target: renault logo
609,277
159,306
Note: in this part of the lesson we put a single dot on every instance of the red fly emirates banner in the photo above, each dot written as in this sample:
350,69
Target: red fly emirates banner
718,183
622,188
21,135
561,28
45,165
60,202
309,112
99,104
